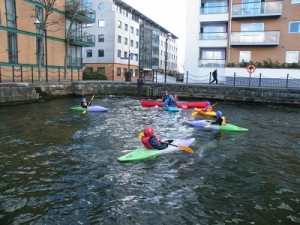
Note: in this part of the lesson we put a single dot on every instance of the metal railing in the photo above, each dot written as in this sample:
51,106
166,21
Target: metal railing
31,74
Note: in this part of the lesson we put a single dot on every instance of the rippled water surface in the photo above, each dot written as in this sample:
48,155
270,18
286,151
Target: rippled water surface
58,166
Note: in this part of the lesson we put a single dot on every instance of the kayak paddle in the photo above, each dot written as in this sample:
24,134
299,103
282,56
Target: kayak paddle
182,147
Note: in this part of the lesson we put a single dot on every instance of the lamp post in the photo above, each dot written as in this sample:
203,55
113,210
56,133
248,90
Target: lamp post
37,22
166,55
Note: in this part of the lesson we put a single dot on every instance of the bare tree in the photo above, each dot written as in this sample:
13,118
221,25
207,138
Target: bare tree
44,21
73,9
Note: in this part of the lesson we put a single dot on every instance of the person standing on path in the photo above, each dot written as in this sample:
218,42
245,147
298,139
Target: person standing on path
215,76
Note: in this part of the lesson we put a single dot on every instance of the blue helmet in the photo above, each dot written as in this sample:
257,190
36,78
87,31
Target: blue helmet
219,114
207,103
171,97
83,100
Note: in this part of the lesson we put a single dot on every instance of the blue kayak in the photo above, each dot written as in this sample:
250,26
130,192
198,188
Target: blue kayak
172,109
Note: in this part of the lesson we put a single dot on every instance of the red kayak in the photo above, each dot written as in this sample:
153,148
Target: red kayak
151,103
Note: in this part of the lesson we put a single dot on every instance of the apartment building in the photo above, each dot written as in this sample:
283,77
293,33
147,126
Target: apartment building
128,44
33,40
234,33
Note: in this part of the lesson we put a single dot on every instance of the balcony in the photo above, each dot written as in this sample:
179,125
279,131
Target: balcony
214,10
215,63
83,40
83,14
258,38
257,9
213,36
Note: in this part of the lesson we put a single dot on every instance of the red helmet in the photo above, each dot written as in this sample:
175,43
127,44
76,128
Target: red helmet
148,132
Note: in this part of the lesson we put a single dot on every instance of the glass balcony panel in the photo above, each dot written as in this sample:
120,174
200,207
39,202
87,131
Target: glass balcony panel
272,8
255,38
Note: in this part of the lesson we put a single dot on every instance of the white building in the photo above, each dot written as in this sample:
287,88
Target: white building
127,40
233,34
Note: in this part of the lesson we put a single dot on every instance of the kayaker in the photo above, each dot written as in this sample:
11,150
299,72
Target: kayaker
170,101
150,141
85,103
165,96
220,119
208,107
175,97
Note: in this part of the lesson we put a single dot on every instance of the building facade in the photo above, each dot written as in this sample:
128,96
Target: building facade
33,40
128,44
236,33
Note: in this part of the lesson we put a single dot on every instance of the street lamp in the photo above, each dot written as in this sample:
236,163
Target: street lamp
37,22
129,57
166,55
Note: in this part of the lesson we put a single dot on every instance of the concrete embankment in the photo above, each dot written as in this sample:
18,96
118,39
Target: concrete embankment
16,93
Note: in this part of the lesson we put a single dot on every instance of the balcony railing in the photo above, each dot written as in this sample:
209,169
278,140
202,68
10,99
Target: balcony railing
211,63
84,40
257,9
74,61
213,36
214,10
255,38
84,13
12,56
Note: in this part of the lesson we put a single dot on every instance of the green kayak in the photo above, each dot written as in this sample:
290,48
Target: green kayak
142,153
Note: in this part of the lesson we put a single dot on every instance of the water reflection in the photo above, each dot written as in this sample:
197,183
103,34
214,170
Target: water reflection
59,166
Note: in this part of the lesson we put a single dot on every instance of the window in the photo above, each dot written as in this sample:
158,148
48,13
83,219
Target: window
295,1
136,72
125,55
118,72
119,24
101,38
12,47
245,56
126,26
119,53
11,13
101,23
131,43
132,30
294,27
137,32
137,44
292,57
89,69
89,53
119,39
101,70
100,52
126,41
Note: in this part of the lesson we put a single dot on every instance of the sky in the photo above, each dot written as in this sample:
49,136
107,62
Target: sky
170,14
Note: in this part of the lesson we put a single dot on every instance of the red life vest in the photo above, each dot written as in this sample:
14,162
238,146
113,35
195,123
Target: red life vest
146,143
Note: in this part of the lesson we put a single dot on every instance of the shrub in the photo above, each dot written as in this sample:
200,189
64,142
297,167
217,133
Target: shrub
93,76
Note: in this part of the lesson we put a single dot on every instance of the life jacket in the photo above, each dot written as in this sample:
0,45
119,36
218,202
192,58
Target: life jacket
224,121
145,141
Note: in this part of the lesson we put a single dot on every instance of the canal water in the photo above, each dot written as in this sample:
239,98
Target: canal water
58,166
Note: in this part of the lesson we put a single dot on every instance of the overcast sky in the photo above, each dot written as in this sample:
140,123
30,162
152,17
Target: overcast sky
170,14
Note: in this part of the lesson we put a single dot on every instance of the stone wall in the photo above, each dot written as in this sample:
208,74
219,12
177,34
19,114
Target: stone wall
17,93
22,92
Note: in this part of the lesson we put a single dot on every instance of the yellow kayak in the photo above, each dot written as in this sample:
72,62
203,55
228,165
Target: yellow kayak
205,114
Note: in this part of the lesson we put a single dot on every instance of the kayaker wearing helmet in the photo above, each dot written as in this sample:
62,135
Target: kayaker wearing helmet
84,103
170,101
165,96
220,119
208,107
150,141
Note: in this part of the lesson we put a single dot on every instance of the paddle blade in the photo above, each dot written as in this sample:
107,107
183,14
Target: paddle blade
93,97
185,148
194,114
141,134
